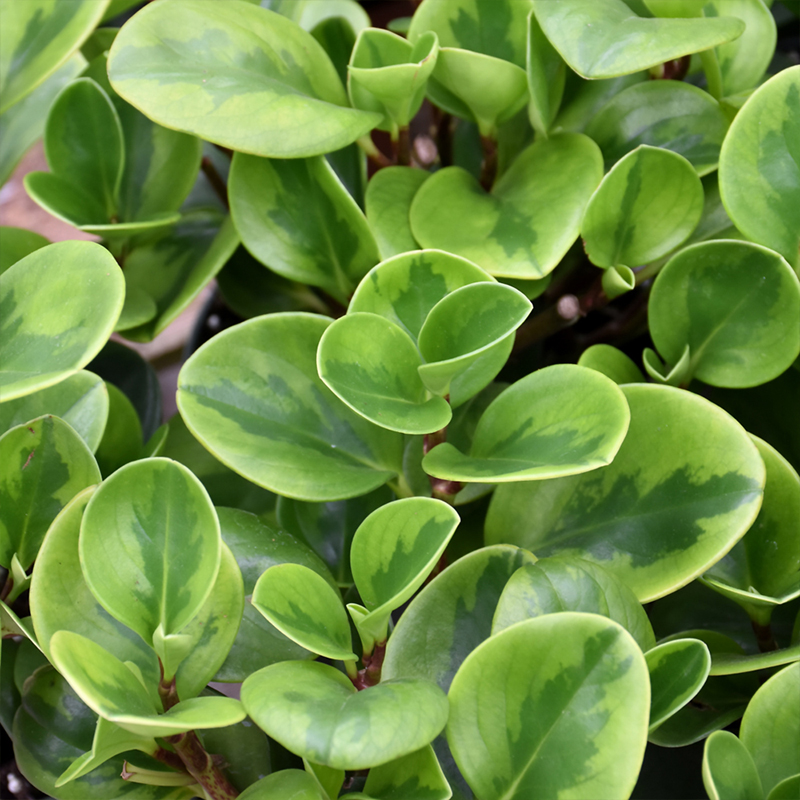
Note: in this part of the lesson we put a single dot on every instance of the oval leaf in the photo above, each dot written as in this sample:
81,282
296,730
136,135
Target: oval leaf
613,363
678,670
728,769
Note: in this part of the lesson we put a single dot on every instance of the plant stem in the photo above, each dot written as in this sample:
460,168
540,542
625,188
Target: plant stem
713,72
489,165
402,147
764,637
444,138
215,179
200,765
373,664
373,153
7,586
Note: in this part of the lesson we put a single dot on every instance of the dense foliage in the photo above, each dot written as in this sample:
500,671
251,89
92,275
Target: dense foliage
439,556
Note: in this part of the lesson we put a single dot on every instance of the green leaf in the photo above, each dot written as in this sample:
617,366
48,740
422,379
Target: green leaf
546,77
44,465
612,363
304,607
735,304
678,669
561,420
40,306
583,99
314,711
416,776
329,779
150,546
81,400
38,37
728,769
759,175
672,115
787,789
122,436
254,388
296,217
577,688
626,517
563,583
646,206
353,362
771,728
735,663
18,243
604,39
242,77
293,783
387,203
532,216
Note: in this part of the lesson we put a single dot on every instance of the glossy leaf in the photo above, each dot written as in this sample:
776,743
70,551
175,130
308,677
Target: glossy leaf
728,769
735,305
674,448
44,465
546,77
758,170
225,66
583,99
734,664
313,710
309,14
612,363
31,320
18,243
578,719
646,206
122,436
150,546
605,39
414,777
530,219
559,584
787,789
297,218
293,783
560,420
269,396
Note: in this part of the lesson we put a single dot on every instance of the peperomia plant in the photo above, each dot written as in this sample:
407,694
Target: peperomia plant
488,488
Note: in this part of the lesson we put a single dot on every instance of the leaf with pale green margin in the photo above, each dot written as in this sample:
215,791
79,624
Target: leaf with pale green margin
735,664
174,269
393,551
763,569
560,420
328,528
387,74
679,445
759,166
16,243
578,687
150,546
612,363
669,114
371,365
467,337
58,306
122,436
728,769
547,74
787,789
405,288
308,14
524,227
296,217
416,776
329,779
236,75
646,206
604,38
735,304
771,727
313,710
387,203
53,728
678,669
254,389
112,690
677,375
304,607
584,99
81,400
23,123
45,463
38,37
288,783
564,583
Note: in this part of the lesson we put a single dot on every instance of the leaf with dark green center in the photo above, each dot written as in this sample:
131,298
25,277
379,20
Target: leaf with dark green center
613,363
532,216
563,583
354,362
646,206
583,99
293,783
672,115
313,710
416,776
547,73
578,692
728,769
297,218
48,330
150,546
604,38
626,517
759,167
303,606
561,420
678,670
735,305
44,465
237,75
308,14
38,37
270,391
